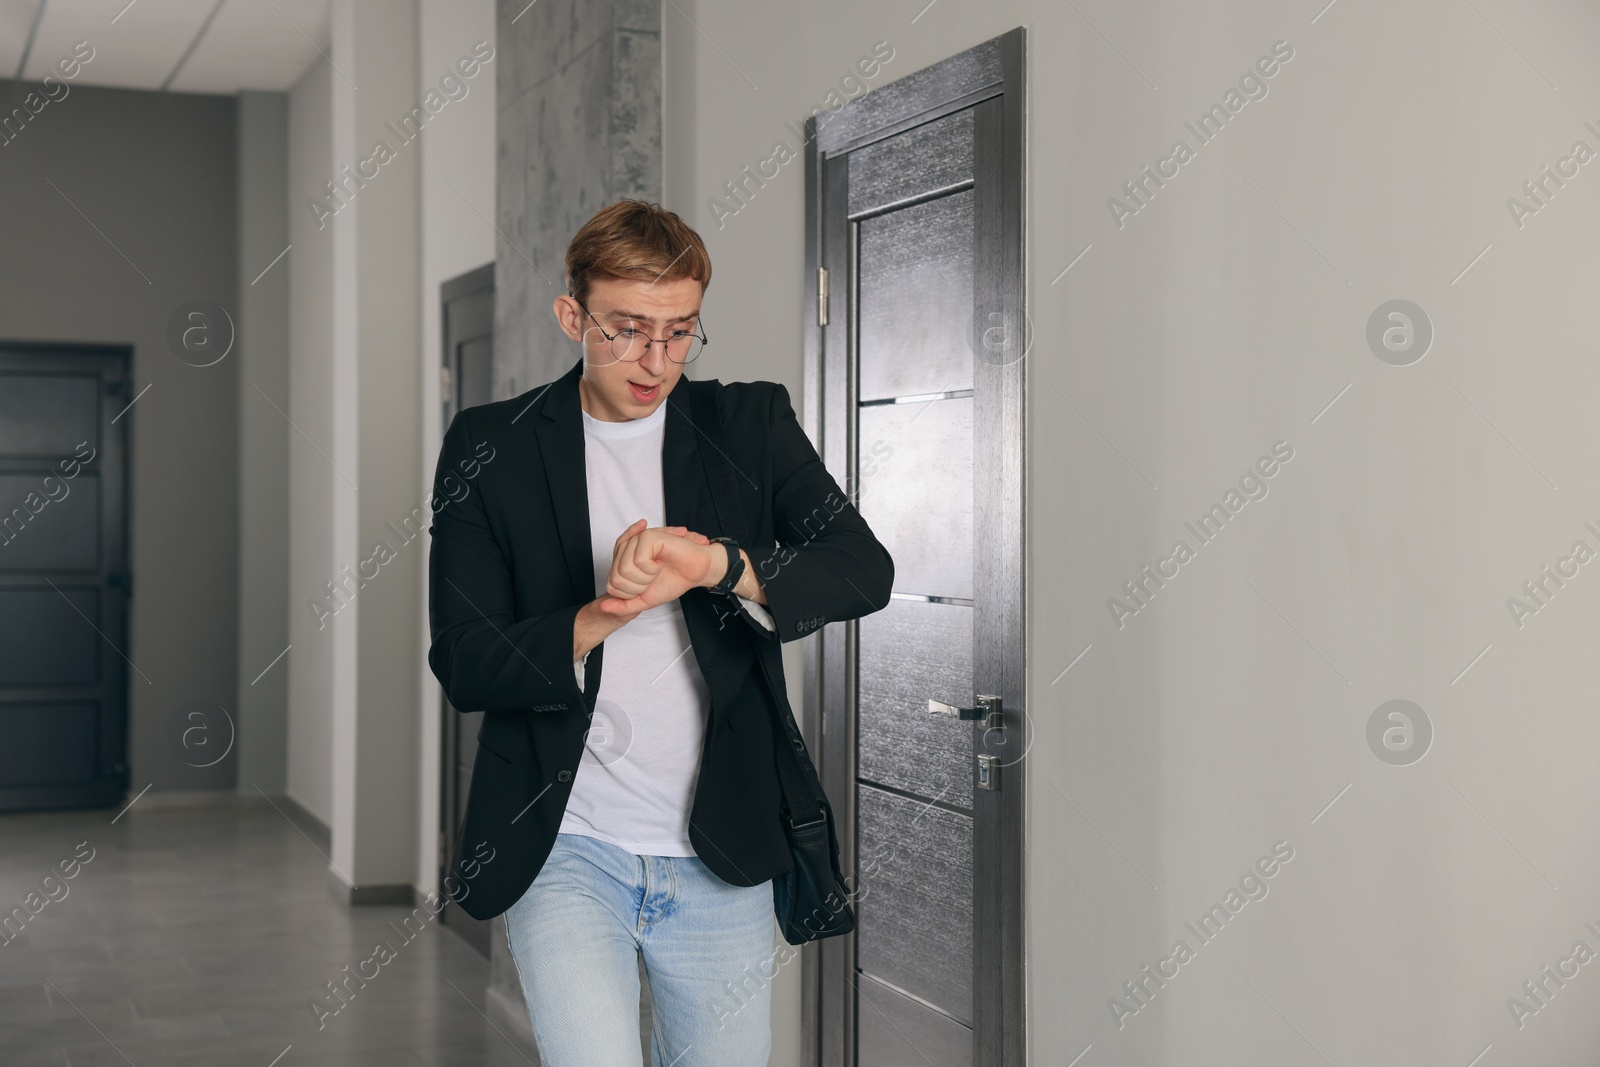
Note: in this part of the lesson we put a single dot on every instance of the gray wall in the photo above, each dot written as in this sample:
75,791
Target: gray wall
263,441
150,225
578,84
1224,317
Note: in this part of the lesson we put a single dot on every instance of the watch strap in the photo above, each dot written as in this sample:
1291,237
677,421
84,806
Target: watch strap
735,566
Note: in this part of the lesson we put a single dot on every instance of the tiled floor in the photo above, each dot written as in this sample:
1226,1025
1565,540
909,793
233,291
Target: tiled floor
201,935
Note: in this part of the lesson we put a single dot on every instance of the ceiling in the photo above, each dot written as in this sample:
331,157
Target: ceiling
188,46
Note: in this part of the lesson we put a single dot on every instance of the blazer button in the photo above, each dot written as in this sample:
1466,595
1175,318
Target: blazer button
564,776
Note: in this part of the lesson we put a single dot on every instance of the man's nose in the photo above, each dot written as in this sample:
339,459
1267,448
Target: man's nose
655,360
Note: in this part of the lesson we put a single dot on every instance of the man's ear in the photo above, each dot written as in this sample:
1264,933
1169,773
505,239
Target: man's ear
570,316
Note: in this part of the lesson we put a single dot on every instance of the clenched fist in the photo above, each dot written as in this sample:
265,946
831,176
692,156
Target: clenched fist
655,565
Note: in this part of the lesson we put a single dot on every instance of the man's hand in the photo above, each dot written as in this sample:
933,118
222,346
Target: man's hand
655,565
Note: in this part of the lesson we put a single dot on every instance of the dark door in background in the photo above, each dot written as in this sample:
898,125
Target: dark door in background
64,583
466,380
915,365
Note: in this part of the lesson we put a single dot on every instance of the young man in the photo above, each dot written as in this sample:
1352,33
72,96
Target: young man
633,812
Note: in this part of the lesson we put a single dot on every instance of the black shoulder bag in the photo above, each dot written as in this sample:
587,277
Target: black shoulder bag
811,899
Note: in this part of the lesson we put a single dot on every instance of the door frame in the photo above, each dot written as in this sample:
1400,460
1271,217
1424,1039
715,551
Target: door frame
475,932
995,68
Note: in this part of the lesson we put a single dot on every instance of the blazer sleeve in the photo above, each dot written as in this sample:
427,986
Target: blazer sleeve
484,657
825,565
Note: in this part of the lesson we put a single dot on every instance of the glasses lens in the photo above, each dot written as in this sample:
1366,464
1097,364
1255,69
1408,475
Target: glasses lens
628,348
684,349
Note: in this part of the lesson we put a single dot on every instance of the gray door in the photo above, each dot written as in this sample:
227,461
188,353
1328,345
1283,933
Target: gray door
917,211
466,380
64,583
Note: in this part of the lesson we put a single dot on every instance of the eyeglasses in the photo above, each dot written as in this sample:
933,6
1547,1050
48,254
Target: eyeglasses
629,345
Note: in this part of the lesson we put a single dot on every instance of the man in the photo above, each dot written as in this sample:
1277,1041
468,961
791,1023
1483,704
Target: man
633,812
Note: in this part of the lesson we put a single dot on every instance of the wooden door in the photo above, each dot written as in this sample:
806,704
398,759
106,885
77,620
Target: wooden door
64,581
917,371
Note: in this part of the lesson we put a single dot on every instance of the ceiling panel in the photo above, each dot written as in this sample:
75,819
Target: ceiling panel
250,44
134,47
253,45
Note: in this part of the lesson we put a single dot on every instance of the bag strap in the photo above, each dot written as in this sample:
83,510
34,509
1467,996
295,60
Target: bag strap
800,791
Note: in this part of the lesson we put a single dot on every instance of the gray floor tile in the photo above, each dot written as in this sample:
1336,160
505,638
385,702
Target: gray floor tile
200,936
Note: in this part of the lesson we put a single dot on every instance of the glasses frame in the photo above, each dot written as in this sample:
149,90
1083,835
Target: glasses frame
650,342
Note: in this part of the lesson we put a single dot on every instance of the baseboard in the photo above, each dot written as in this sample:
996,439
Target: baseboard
304,821
186,798
362,896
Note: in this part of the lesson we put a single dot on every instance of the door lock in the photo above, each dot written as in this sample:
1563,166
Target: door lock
988,772
988,710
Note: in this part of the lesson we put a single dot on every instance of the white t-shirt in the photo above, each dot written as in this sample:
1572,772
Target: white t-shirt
635,783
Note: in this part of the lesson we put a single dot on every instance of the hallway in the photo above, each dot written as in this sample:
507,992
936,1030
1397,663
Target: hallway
201,935
1058,295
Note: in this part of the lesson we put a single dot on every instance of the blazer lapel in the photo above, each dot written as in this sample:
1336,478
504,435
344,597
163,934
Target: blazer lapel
682,477
688,500
689,503
558,423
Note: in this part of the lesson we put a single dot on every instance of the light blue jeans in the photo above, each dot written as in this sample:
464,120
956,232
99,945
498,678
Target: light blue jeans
709,955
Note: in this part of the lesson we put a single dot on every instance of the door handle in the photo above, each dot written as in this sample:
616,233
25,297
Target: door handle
987,710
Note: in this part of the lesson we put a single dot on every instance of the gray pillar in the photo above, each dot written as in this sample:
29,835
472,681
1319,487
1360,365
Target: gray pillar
579,91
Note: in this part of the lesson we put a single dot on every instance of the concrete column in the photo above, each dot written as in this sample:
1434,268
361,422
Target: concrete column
579,91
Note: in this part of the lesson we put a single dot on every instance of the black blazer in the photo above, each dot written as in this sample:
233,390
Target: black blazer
511,563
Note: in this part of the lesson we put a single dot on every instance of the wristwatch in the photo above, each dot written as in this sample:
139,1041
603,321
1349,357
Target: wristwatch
735,566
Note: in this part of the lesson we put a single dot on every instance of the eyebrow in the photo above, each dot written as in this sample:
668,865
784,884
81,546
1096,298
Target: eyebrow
621,314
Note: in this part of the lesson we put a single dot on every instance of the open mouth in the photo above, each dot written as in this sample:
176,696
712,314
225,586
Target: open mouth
644,395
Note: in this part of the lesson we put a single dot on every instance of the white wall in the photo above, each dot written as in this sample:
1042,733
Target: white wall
311,479
1222,318
351,397
457,150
